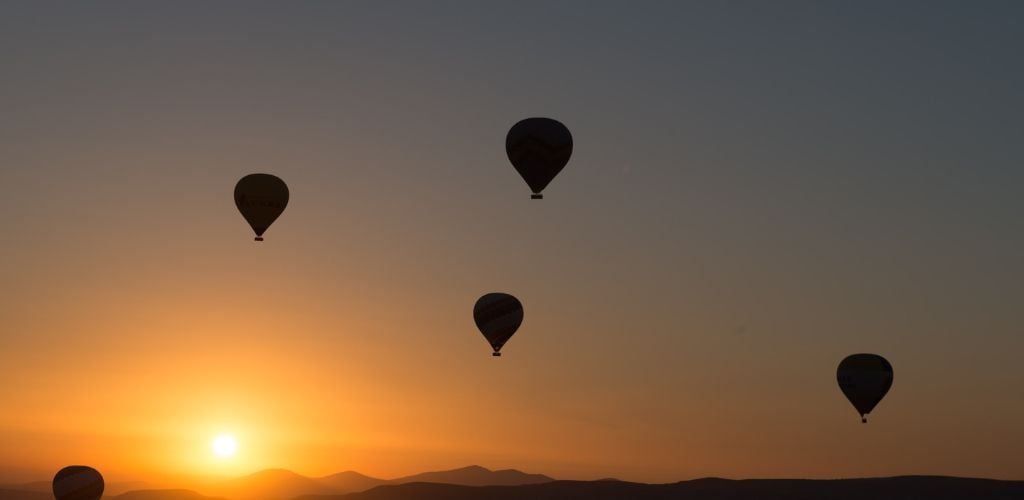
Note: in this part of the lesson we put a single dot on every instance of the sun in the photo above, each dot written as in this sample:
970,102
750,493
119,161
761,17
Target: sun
225,445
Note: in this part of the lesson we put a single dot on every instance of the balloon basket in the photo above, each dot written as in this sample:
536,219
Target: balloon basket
863,420
496,354
536,196
259,238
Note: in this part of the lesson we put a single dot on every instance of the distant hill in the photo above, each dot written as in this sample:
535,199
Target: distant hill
114,489
902,488
41,486
271,484
111,489
350,481
475,475
481,483
160,495
9,494
280,484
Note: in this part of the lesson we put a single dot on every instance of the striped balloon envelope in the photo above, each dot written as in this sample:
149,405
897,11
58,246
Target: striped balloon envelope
78,482
498,316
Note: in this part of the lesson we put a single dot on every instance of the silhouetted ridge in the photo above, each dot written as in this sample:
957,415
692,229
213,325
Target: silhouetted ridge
281,484
350,481
916,487
271,484
163,495
111,490
40,486
9,494
475,475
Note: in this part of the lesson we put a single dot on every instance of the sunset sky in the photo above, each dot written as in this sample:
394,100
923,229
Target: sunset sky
757,190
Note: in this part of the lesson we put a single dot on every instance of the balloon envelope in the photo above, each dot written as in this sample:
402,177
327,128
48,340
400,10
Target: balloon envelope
78,482
864,379
539,148
261,198
498,316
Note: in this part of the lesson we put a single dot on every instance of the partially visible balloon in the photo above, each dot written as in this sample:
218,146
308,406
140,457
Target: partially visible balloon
539,148
864,379
261,198
78,482
498,316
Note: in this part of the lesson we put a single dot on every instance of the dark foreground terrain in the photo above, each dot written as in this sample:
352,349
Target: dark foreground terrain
903,488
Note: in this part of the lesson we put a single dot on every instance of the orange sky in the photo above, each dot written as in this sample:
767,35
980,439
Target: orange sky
732,224
135,355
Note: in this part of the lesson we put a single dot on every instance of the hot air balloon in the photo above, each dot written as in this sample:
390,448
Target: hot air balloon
261,198
498,316
78,482
864,379
539,148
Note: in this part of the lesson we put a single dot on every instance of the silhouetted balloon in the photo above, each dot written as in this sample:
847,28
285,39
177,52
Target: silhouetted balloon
78,482
864,379
539,148
261,198
498,316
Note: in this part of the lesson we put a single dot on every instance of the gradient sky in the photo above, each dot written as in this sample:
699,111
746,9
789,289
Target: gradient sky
757,190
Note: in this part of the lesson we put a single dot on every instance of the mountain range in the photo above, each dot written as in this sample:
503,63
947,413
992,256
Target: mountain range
479,483
276,484
906,487
281,484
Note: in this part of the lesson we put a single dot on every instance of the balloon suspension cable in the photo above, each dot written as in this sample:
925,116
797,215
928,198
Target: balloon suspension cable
536,196
259,238
495,353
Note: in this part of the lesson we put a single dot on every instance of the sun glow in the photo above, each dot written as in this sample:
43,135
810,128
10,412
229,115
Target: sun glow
225,445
